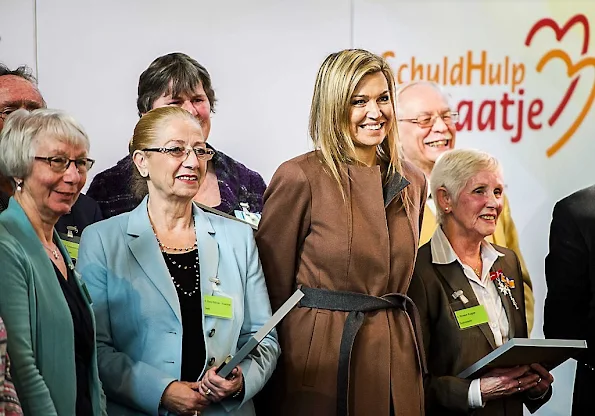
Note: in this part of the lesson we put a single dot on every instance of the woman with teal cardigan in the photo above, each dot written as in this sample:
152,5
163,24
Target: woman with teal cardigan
44,304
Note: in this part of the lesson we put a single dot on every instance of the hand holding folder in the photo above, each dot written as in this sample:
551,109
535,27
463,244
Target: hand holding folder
225,368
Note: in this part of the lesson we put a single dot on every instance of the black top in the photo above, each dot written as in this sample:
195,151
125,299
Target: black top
4,197
185,271
83,341
84,212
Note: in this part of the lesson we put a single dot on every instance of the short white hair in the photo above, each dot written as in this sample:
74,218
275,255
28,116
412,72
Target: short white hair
403,87
454,168
24,130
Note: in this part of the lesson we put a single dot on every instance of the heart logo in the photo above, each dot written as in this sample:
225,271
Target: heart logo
572,70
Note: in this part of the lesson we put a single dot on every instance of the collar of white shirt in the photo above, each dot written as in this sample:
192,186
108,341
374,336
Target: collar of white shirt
443,253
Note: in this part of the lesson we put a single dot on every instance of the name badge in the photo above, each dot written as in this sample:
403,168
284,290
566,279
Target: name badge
218,307
469,317
72,248
250,217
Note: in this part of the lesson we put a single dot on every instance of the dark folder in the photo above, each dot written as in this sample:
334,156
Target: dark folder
231,362
550,353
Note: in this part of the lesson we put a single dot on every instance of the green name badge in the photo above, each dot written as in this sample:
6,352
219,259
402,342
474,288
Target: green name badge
218,306
72,248
469,317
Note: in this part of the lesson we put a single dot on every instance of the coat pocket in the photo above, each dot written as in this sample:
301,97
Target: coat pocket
319,336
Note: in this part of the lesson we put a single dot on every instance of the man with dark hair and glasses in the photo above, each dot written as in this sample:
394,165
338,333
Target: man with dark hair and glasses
178,80
18,89
426,123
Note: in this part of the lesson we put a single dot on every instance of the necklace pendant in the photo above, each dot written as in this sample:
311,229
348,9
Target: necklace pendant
55,253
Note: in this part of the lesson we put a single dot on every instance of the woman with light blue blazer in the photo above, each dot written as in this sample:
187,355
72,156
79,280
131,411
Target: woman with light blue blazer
175,289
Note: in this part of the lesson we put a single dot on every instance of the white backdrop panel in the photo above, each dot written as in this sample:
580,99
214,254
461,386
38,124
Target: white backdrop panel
262,56
17,33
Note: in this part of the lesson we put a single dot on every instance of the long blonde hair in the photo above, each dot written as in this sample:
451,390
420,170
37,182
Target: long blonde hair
329,127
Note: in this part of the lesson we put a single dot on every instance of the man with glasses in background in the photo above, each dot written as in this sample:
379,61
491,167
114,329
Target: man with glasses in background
18,89
427,128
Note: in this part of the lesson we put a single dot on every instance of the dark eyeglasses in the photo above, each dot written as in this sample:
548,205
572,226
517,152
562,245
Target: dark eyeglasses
183,152
60,164
427,120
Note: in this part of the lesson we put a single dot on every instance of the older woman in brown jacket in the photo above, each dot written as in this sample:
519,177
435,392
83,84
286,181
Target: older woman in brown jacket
342,222
458,270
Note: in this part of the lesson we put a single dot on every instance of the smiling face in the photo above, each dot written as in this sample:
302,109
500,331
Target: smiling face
195,102
170,177
370,115
476,211
423,145
17,92
54,193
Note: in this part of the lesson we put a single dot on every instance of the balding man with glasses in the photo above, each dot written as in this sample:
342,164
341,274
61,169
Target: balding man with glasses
427,128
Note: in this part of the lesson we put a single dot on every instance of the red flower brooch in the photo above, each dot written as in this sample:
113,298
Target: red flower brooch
504,284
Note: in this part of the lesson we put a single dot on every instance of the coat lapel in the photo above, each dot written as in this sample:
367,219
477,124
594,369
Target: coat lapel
208,249
145,249
454,277
394,187
511,311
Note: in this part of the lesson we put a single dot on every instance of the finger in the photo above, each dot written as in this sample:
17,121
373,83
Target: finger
529,378
216,382
213,392
539,369
194,385
237,372
517,372
521,384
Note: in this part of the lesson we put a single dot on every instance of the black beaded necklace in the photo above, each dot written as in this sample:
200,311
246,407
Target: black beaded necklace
177,264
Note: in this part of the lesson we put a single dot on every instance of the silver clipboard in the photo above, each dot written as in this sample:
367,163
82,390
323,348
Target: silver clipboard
232,361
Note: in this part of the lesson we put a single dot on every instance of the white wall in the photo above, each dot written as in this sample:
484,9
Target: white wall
17,33
263,56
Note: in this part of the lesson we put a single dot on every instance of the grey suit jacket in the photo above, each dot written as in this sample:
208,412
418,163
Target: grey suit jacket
450,350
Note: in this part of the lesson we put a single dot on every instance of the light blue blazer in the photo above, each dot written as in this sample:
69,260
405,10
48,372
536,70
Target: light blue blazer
139,324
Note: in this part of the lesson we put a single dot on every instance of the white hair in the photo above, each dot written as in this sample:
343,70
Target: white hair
454,168
24,130
401,88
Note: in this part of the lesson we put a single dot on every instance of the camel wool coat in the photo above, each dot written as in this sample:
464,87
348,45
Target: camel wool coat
310,236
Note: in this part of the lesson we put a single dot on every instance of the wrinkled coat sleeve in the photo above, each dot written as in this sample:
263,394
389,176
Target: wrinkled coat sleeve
16,293
284,225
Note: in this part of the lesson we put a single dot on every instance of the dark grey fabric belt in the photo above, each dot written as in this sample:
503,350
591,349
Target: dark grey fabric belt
357,304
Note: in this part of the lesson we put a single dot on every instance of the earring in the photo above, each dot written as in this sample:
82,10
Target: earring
446,209
19,186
